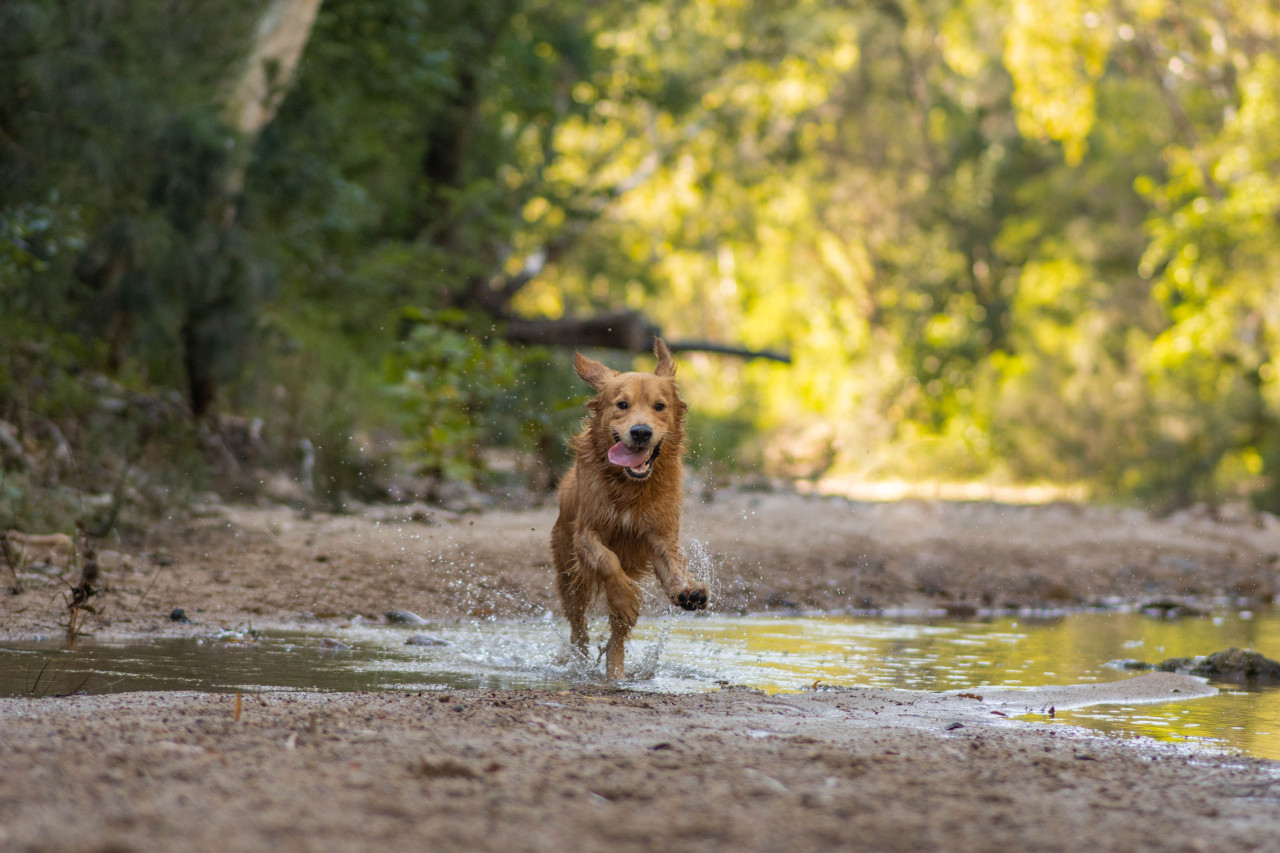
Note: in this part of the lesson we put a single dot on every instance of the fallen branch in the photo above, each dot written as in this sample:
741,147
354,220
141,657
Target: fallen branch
725,349
625,330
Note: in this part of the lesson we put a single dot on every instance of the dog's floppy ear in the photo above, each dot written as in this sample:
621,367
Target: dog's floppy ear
592,372
666,367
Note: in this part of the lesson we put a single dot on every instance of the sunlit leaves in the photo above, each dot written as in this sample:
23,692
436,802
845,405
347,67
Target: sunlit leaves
1055,51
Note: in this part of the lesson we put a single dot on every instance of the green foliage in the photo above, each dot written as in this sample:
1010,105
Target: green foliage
459,391
113,107
540,410
80,447
33,235
721,442
445,379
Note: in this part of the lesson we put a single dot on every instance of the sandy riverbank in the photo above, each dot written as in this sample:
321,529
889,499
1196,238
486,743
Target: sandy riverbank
598,768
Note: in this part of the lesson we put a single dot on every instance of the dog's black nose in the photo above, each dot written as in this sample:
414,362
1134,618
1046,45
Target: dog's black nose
641,434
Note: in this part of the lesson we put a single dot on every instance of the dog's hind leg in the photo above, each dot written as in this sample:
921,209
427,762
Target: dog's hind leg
575,596
572,583
615,649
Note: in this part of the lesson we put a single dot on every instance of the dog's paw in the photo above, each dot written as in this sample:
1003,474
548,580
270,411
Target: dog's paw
692,598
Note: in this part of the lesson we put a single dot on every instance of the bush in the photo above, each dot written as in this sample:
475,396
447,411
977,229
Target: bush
444,378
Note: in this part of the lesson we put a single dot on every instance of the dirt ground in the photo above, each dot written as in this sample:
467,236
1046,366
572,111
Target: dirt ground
600,768
232,566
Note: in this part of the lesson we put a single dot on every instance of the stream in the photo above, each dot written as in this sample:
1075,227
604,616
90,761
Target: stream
686,654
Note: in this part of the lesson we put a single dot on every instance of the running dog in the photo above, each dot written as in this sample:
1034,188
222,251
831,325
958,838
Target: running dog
620,503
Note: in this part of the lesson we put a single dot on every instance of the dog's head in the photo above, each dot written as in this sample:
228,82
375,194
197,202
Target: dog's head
635,415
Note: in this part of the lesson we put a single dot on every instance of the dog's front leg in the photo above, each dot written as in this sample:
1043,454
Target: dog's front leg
619,591
672,568
623,597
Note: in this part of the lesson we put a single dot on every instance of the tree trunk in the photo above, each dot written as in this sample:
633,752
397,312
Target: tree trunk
253,99
251,102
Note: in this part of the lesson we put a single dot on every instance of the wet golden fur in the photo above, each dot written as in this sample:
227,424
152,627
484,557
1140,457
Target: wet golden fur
616,524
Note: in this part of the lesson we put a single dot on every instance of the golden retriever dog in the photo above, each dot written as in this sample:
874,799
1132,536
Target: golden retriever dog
620,503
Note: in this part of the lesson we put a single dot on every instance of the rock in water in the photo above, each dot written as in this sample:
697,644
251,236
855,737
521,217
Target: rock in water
1236,666
425,640
405,617
1129,664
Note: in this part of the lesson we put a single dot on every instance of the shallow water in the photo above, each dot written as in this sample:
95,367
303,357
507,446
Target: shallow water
686,654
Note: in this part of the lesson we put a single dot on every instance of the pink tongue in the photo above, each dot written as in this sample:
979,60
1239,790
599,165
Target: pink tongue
620,454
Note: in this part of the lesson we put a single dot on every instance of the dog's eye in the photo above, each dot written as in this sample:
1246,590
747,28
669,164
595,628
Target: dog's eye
658,407
623,404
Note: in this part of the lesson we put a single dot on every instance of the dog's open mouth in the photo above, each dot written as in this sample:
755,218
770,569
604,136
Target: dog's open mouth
637,463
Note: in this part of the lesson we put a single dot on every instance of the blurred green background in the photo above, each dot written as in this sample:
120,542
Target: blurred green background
1011,242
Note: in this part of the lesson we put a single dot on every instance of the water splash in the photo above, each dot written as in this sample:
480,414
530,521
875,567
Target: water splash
703,567
645,657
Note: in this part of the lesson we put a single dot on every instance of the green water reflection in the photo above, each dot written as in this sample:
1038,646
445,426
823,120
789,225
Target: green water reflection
790,654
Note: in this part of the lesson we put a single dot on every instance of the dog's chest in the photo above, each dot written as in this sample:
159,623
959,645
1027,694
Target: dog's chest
627,520
624,529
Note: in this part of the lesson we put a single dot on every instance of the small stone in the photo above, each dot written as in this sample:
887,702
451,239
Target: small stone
178,616
405,617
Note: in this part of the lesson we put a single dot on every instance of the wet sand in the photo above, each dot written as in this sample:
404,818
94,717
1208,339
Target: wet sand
598,768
